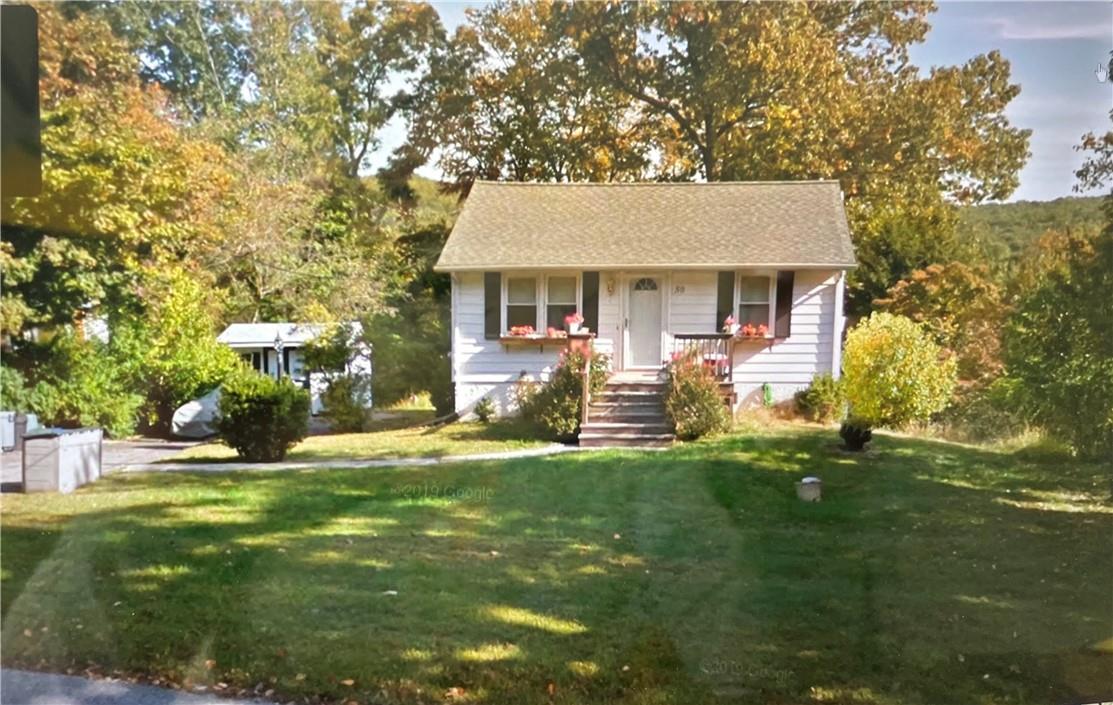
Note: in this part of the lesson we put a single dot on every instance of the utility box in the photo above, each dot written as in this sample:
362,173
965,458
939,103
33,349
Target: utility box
61,460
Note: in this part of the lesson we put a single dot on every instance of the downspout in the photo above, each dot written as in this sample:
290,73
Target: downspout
837,326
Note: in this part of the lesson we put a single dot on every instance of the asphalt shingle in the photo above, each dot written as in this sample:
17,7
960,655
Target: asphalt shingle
509,225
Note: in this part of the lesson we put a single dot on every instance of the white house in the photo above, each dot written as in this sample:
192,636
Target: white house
275,349
654,268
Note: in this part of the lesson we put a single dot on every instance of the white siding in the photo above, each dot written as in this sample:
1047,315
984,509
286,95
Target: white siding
487,368
788,365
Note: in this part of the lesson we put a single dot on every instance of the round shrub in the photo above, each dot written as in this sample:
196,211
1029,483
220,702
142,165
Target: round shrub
555,406
484,409
823,401
692,400
261,419
893,373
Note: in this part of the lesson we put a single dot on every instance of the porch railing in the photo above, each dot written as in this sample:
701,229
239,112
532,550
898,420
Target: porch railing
715,350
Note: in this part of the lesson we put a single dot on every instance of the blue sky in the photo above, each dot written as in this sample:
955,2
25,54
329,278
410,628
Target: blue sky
1054,49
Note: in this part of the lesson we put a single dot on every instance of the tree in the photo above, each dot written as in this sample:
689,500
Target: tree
1057,341
510,97
125,190
894,373
962,310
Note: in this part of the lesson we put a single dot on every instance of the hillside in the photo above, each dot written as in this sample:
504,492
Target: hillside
1005,229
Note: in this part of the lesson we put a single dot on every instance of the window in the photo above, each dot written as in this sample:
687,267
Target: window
561,301
753,301
521,302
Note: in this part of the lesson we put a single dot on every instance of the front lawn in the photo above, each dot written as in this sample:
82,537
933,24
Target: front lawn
396,437
931,573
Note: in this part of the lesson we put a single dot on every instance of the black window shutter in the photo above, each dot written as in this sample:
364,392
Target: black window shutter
591,301
492,300
725,301
782,328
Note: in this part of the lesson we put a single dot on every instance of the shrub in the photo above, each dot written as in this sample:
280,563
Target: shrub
484,409
15,395
692,400
855,434
556,406
893,373
79,384
823,400
345,403
261,419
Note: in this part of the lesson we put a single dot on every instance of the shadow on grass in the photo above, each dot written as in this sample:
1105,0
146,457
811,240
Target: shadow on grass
689,576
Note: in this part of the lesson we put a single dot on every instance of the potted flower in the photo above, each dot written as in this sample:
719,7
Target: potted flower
730,325
762,330
748,331
574,321
521,330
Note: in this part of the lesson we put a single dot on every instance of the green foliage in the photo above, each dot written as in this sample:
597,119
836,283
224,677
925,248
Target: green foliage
984,414
1005,230
171,351
484,409
343,403
260,418
692,399
14,392
1057,348
556,406
823,400
894,373
80,384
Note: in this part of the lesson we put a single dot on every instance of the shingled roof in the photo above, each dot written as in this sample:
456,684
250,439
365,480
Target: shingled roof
511,225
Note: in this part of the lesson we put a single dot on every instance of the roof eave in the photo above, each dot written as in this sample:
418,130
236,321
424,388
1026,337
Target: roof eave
621,267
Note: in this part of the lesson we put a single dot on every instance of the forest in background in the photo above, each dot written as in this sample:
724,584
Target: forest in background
211,162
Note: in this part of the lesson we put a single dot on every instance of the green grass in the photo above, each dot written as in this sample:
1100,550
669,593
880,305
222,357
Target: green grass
394,437
930,574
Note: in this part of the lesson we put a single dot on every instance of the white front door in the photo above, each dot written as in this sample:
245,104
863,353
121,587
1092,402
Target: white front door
645,322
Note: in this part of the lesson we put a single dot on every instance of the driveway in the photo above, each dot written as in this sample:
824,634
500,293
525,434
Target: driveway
27,688
117,454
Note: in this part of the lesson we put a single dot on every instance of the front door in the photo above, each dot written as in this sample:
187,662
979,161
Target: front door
645,322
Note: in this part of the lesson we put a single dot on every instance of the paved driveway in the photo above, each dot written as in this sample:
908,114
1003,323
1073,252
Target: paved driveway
117,454
27,688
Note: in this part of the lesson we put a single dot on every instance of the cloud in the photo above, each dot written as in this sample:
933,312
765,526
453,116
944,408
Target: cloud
1026,30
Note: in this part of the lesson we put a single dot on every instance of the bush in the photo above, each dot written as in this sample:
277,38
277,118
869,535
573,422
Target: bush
484,409
855,434
261,419
893,373
79,384
983,414
692,400
344,403
823,401
555,406
15,395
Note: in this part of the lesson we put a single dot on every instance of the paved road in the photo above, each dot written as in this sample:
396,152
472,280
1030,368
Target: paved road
28,688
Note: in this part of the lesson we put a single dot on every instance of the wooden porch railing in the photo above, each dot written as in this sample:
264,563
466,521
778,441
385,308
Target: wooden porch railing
716,350
585,343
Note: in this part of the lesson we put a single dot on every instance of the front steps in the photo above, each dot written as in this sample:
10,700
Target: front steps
628,412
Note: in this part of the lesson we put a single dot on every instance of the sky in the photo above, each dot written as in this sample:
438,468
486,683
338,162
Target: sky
1054,49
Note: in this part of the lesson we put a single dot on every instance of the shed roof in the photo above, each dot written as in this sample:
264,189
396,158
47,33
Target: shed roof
262,335
513,225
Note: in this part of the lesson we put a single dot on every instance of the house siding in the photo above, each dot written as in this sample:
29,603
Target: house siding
488,368
790,364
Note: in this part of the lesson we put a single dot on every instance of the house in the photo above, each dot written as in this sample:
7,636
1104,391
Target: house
654,269
275,349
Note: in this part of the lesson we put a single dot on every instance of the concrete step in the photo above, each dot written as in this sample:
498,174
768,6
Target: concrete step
647,386
621,413
627,396
640,428
622,440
